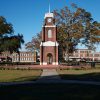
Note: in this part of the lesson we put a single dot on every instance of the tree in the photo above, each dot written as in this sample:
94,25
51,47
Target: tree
35,43
76,26
5,28
9,41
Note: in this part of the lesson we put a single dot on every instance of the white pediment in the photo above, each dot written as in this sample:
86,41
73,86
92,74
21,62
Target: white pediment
49,43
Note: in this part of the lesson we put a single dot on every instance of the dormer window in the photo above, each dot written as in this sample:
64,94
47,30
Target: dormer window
49,34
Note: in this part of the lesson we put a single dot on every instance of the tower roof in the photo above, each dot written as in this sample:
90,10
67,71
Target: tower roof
49,14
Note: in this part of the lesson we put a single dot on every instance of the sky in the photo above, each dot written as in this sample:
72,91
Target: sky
27,16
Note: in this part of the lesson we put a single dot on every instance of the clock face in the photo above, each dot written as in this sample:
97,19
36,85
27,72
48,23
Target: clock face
49,19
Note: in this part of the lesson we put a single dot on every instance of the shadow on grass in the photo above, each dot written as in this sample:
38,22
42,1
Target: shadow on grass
82,77
57,91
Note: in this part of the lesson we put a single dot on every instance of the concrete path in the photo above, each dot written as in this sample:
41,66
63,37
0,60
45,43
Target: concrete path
49,75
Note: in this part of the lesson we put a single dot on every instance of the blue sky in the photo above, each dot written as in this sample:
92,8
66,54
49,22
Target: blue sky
27,15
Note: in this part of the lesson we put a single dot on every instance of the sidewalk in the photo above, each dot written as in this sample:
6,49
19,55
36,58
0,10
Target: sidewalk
49,75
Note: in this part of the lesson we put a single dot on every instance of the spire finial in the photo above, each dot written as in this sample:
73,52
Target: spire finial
49,8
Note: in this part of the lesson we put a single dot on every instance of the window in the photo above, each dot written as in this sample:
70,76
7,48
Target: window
96,55
49,34
76,51
81,51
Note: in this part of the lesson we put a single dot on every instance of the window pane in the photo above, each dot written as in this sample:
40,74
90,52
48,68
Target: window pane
49,34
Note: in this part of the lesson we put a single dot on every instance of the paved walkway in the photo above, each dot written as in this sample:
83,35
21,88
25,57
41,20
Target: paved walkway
49,75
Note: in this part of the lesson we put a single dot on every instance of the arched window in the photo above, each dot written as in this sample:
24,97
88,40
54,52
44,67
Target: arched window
49,34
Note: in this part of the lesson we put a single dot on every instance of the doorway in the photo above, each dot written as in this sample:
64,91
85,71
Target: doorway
49,58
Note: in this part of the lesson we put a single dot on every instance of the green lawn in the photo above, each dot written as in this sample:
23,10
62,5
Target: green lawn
19,75
87,75
50,92
97,66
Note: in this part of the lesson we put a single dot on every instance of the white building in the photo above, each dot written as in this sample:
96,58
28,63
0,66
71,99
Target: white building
85,54
23,56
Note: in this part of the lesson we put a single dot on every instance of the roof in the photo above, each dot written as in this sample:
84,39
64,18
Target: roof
49,15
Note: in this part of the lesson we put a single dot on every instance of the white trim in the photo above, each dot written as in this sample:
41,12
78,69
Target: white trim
40,63
44,63
49,15
55,63
49,43
41,44
49,26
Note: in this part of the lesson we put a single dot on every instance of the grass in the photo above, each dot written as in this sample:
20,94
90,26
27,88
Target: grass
97,66
85,75
19,75
50,92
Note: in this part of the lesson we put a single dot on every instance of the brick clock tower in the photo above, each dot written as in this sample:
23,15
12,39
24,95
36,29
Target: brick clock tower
49,45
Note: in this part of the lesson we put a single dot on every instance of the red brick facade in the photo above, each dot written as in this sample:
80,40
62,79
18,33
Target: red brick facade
45,35
49,45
